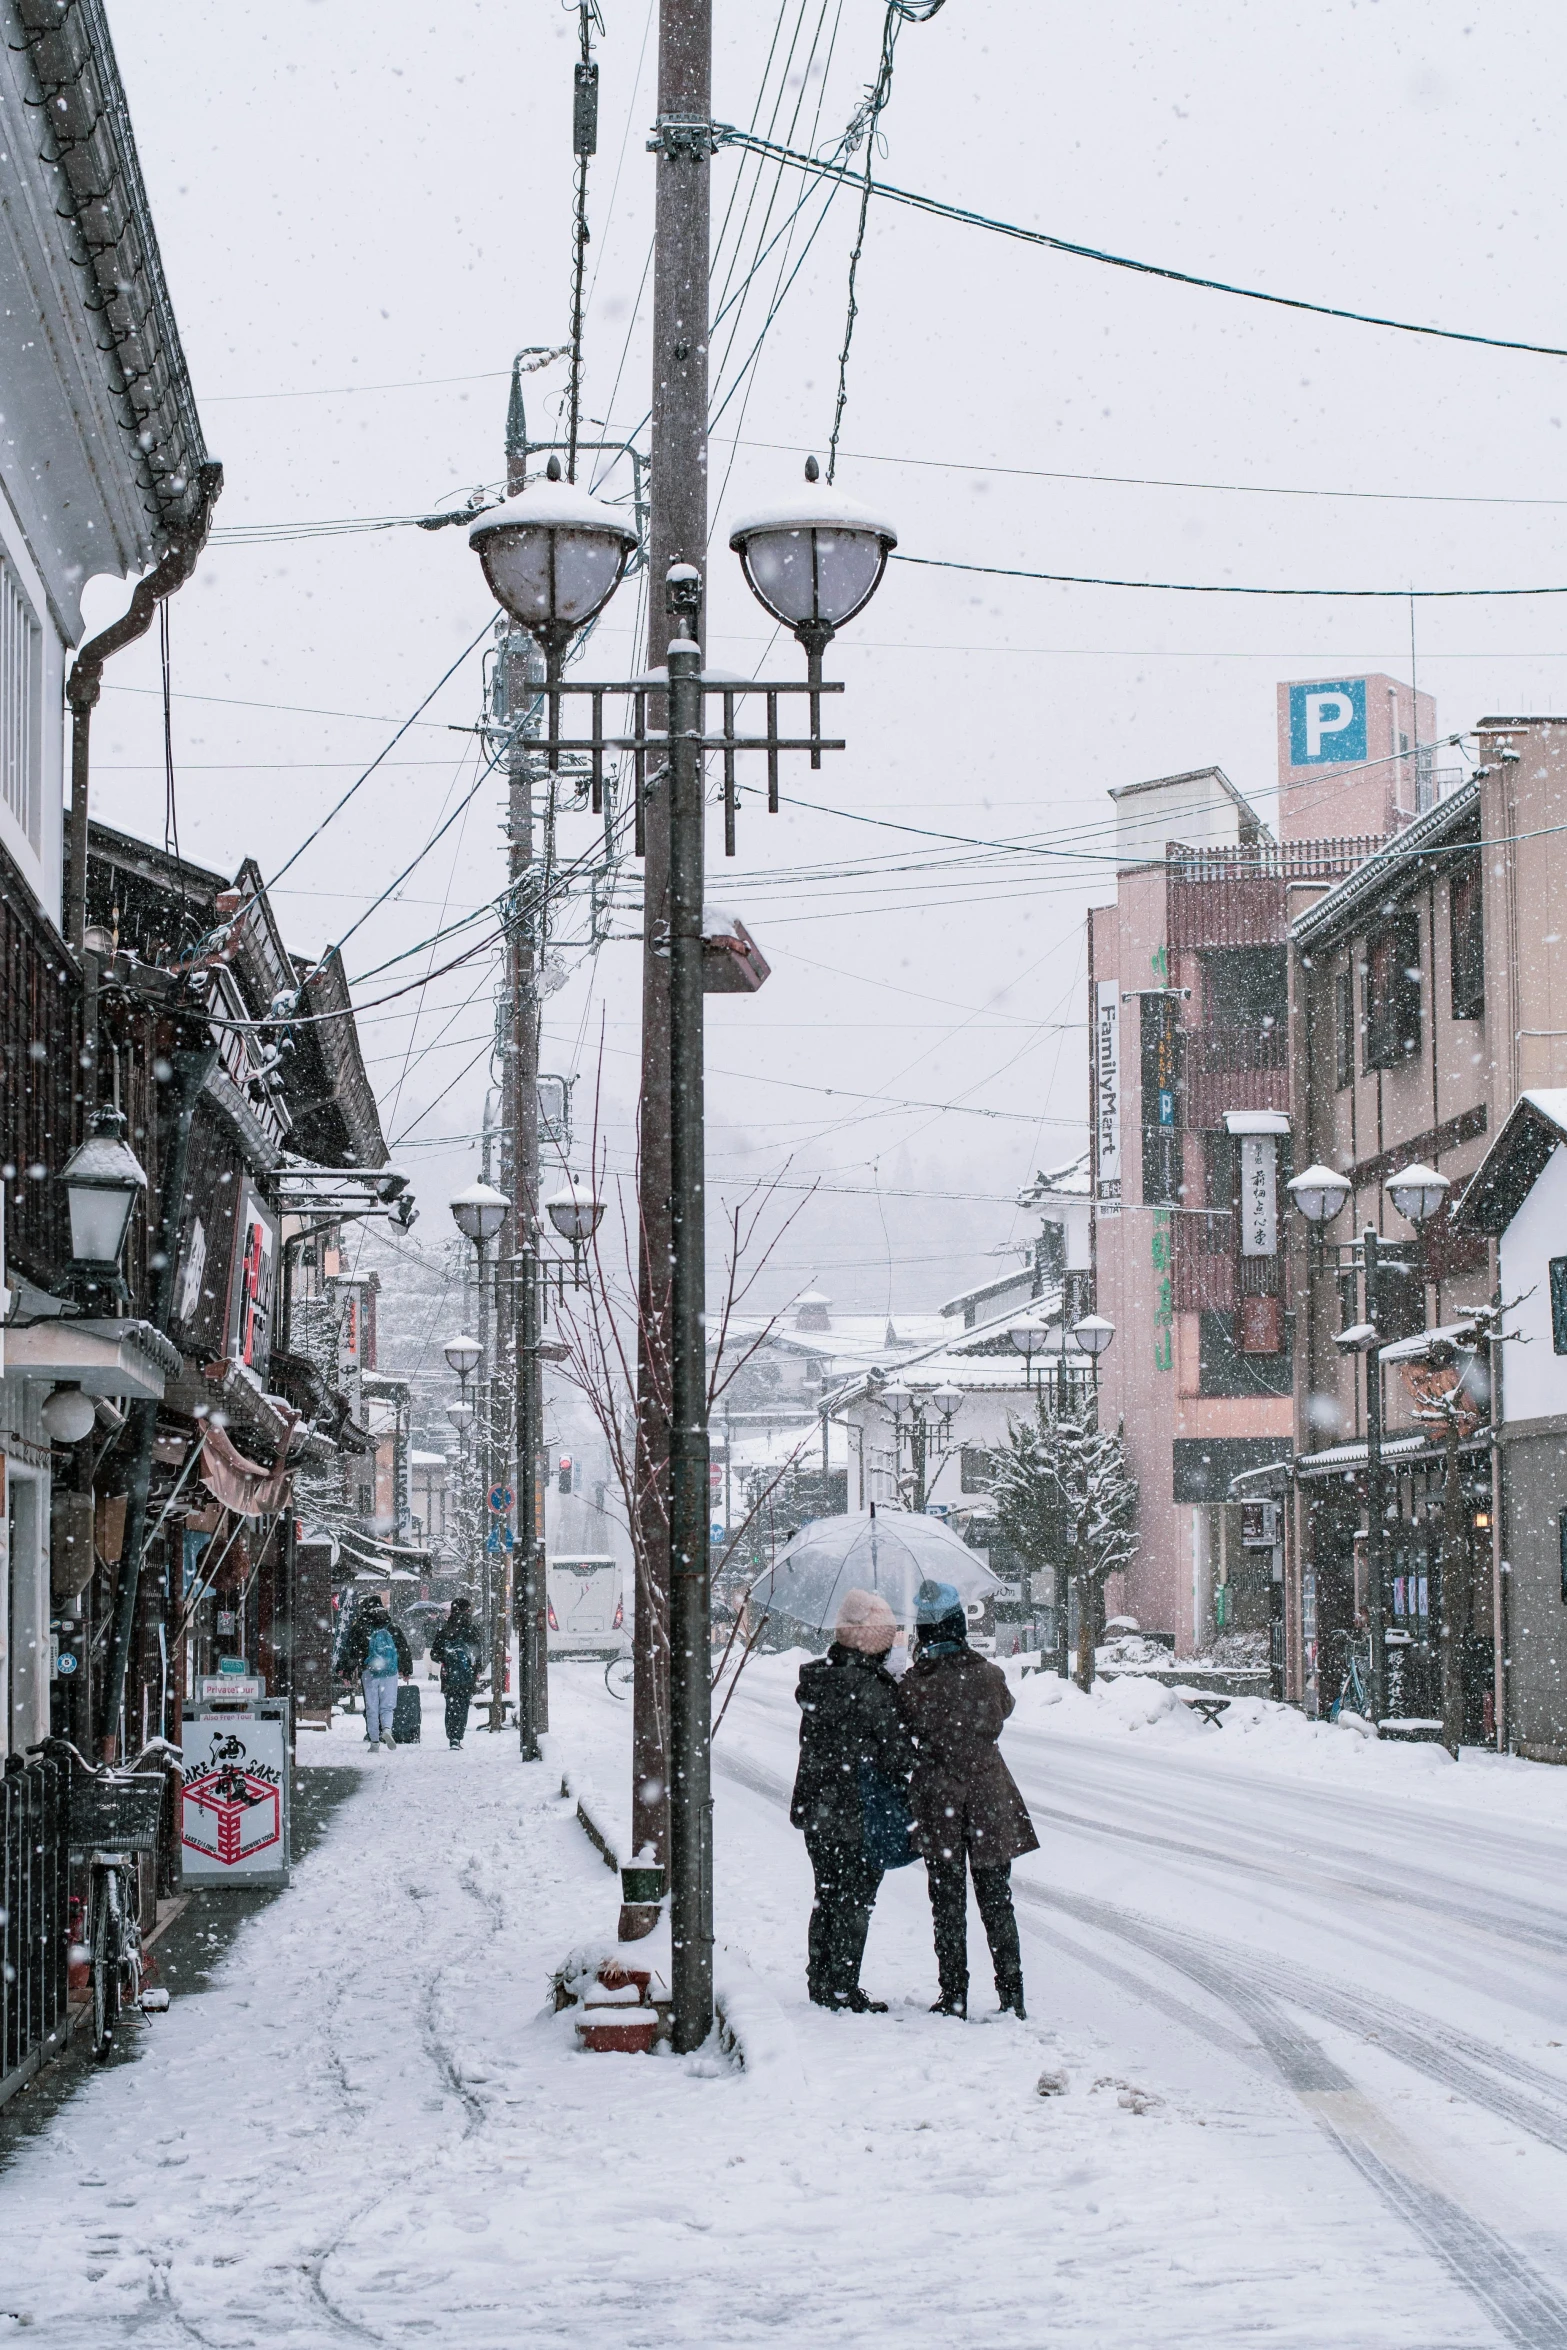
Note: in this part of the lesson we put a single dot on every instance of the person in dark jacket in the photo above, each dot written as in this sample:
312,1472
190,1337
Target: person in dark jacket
458,1648
967,1809
853,1749
375,1654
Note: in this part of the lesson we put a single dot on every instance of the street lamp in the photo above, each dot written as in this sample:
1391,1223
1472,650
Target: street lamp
1091,1336
1029,1338
1319,1194
813,562
947,1399
898,1397
1418,1193
103,1180
460,1416
576,1213
479,1212
553,557
463,1353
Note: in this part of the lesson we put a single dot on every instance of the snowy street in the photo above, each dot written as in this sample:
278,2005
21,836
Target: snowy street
1302,2001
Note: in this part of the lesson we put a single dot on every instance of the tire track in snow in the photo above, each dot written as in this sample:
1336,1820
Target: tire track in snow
1523,2306
1526,2309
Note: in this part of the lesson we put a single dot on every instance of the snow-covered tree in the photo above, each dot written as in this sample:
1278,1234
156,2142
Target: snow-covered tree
1065,1497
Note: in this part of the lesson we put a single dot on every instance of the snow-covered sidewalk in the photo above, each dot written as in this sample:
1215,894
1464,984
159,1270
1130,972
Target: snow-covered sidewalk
374,2128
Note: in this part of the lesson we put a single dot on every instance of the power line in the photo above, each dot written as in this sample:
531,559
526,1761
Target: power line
1187,587
821,168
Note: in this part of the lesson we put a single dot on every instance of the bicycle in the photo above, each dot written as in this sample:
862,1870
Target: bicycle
113,1816
1353,1694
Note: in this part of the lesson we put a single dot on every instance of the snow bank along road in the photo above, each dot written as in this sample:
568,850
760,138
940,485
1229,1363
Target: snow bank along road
1303,2001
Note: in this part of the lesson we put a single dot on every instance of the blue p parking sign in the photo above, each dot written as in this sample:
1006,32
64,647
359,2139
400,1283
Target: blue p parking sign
1328,723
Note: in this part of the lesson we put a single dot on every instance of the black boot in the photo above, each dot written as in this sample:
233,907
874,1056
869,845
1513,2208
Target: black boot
1011,1996
859,2002
952,2002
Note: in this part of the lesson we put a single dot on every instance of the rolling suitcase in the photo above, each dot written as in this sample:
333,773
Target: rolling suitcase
405,1721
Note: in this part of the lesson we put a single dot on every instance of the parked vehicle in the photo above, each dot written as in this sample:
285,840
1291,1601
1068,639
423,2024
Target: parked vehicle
586,1607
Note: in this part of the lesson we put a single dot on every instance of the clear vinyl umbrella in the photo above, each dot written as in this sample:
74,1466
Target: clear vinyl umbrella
887,1551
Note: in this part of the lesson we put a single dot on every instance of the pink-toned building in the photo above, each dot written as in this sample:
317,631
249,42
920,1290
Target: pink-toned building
1188,1013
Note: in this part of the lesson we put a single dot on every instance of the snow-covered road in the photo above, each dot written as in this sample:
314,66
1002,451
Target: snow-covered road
1306,1998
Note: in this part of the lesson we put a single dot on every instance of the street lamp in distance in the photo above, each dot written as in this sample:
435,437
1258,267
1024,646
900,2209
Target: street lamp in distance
462,1353
1419,1193
1029,1338
1091,1336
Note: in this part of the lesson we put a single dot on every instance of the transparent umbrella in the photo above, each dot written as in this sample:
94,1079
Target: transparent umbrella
887,1551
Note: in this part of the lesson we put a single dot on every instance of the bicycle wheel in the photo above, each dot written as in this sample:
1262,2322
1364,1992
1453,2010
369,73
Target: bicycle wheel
104,1964
619,1675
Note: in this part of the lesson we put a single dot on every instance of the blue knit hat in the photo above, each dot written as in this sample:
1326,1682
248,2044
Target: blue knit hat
933,1602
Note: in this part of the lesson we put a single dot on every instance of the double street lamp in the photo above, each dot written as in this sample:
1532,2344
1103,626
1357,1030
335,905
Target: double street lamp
915,1404
553,558
1419,1194
1091,1336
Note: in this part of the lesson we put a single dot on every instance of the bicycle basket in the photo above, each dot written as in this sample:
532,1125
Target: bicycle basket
116,1815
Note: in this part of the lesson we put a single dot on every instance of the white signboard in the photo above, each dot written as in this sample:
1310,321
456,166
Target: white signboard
1107,1092
1259,1195
233,1823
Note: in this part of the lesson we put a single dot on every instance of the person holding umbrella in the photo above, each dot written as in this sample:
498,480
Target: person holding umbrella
850,1794
968,1812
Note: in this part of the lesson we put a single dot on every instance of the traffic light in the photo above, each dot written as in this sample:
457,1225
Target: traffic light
563,1481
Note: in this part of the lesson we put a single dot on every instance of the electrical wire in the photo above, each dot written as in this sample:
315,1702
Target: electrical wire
824,168
867,123
341,804
1187,587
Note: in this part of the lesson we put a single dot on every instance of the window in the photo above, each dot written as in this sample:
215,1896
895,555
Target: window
21,706
1559,1304
1344,1028
1392,985
1225,1367
1468,941
976,1467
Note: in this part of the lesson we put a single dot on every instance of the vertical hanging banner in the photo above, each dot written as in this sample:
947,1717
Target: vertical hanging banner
1107,1094
1259,1195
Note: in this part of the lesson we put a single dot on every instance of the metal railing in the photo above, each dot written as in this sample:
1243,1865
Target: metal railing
34,1916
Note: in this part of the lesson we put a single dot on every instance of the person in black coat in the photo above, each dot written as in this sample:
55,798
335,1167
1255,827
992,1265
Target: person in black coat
969,1815
853,1749
458,1648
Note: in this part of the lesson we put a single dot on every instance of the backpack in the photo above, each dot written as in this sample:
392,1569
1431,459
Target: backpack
381,1653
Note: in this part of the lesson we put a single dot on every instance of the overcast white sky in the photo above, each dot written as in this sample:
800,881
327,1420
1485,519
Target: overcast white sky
365,210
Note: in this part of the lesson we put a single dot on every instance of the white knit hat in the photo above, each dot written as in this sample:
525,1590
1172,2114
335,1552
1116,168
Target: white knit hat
866,1622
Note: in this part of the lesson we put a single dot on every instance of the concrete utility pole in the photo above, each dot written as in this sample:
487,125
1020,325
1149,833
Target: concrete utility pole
1376,1488
677,534
518,676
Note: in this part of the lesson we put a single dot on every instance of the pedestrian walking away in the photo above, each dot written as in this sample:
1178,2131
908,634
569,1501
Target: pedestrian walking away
377,1652
851,1794
458,1648
968,1813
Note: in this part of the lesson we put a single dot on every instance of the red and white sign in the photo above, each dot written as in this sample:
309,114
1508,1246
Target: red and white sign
231,1823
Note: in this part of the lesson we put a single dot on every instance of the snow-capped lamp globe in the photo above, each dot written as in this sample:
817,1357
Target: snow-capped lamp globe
1418,1193
479,1212
1319,1193
553,557
460,1416
575,1212
813,562
1092,1335
947,1399
462,1353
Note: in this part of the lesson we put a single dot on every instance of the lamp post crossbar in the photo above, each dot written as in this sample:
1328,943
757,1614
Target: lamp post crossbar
645,742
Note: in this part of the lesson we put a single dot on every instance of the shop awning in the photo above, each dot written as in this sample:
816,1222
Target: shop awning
127,1359
242,1485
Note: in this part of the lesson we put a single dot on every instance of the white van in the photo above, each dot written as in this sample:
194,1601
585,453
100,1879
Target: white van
586,1607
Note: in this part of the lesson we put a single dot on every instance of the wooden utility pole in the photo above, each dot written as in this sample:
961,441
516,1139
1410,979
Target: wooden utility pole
677,534
519,675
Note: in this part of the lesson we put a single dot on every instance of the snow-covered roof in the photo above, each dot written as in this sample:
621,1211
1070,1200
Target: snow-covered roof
965,1362
1533,1130
1020,1277
854,1340
1070,1181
